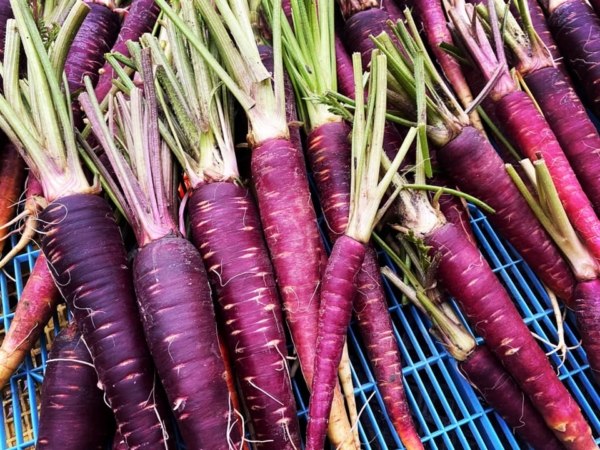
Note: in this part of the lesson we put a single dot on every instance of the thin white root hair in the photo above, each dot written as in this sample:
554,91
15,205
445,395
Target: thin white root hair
561,346
16,219
85,363
286,430
264,392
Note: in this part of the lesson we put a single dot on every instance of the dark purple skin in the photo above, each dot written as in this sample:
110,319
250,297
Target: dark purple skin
575,132
394,11
140,19
487,307
72,413
292,235
337,295
118,442
226,229
88,261
291,113
485,373
587,312
473,165
534,136
576,29
358,28
86,55
171,283
329,151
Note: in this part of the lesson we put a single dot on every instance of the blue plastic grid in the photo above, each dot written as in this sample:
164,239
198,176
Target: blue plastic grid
446,410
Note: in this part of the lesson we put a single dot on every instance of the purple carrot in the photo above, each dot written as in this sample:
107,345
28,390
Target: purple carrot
86,254
479,366
485,373
339,281
184,349
329,154
576,29
97,283
535,136
226,229
467,277
86,55
338,289
539,23
588,314
472,163
168,273
574,130
36,305
73,413
141,17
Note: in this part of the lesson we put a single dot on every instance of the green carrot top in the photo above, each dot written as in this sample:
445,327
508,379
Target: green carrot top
34,111
140,158
309,54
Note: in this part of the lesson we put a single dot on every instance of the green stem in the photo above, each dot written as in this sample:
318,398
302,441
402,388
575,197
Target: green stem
68,31
469,198
246,102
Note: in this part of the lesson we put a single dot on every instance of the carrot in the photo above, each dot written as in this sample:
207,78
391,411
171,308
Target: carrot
73,413
587,312
329,154
168,273
466,276
533,135
541,27
564,112
81,240
225,227
469,160
239,282
12,175
576,28
475,362
487,307
37,304
339,281
485,373
140,18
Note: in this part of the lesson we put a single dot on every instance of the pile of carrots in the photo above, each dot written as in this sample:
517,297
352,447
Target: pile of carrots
161,152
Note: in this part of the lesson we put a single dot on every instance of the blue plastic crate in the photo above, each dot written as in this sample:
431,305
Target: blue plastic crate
446,410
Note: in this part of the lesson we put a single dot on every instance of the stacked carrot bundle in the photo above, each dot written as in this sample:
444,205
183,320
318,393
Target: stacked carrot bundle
132,143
